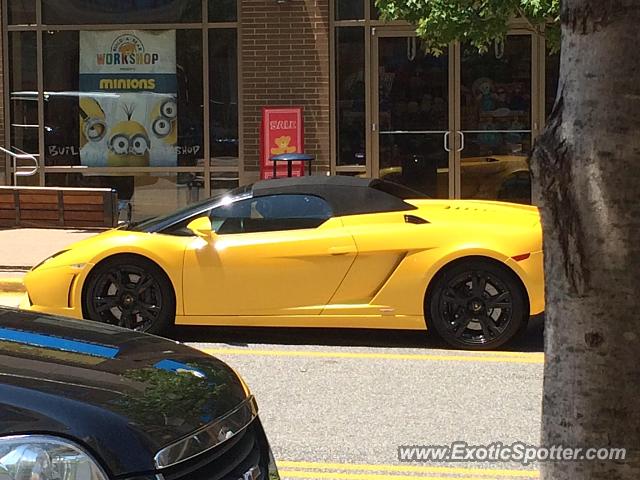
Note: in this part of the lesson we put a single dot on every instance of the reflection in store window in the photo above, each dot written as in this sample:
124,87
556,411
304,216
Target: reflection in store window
496,120
350,94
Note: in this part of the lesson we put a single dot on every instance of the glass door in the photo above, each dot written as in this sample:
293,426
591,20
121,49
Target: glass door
495,121
412,117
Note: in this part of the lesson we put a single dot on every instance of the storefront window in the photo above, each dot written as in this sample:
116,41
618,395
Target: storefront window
23,88
496,120
350,96
90,107
375,11
223,10
190,98
349,9
61,99
21,12
223,97
124,107
85,12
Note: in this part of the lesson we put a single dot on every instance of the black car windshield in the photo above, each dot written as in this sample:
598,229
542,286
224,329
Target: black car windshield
157,224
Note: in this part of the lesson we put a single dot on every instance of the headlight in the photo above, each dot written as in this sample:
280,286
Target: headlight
37,457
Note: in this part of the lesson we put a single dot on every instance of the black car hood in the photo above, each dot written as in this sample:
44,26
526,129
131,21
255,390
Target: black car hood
122,394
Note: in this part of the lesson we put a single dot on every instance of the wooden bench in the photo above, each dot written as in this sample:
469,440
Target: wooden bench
58,207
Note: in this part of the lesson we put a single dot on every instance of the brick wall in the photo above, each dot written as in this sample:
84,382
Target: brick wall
285,61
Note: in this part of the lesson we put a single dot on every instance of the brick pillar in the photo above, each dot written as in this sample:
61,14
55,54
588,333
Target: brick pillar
285,61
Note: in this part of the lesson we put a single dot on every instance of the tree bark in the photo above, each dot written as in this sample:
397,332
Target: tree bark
587,166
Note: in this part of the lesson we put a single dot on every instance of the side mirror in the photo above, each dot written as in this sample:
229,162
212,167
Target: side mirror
202,228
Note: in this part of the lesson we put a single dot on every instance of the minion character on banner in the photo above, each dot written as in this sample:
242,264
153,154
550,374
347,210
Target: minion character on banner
164,121
129,144
93,123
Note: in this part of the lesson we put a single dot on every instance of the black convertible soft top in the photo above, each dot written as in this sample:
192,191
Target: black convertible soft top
346,195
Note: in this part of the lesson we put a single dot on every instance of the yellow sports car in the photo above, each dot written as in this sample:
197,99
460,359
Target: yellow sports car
310,252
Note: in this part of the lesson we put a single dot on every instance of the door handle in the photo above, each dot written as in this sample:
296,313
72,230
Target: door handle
445,141
461,141
341,250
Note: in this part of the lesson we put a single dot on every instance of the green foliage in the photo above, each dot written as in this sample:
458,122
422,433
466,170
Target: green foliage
477,22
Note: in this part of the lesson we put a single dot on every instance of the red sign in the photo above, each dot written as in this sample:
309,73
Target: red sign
282,132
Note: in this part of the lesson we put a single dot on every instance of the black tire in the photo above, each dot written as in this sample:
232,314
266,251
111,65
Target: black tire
477,305
130,292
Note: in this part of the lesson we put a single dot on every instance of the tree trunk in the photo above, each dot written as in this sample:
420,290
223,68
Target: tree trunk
587,165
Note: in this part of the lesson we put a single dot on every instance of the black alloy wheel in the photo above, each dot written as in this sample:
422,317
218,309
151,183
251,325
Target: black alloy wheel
130,292
477,305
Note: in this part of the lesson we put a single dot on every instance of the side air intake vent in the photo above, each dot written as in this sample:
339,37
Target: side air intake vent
414,220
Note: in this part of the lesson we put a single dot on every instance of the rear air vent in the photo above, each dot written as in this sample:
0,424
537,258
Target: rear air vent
414,220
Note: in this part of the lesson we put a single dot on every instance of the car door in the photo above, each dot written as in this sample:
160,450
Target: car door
272,255
385,241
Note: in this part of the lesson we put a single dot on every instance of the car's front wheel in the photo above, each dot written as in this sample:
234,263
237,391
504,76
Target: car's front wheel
130,292
477,305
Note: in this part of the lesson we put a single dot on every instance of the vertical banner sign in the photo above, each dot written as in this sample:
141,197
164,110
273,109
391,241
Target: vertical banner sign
282,132
128,98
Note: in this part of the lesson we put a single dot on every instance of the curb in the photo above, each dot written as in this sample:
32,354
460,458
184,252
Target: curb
11,285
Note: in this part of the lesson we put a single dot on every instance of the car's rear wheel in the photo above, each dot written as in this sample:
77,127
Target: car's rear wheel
477,305
130,292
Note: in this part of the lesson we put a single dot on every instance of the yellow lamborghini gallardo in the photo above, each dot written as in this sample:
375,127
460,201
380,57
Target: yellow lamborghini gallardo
310,252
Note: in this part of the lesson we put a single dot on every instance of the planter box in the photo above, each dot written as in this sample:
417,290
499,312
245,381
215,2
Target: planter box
58,207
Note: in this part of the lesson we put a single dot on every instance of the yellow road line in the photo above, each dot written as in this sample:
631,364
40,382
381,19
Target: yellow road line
504,354
504,472
365,476
537,358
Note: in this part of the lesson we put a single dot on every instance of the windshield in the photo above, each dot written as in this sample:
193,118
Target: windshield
157,224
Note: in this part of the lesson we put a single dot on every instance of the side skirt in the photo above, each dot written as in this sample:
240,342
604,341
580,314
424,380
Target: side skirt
388,322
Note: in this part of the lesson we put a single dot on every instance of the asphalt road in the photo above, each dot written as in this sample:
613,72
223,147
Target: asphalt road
337,405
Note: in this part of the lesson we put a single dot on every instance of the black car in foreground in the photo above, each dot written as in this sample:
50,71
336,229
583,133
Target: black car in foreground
87,401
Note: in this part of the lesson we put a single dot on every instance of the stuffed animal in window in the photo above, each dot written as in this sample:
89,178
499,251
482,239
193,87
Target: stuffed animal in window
483,92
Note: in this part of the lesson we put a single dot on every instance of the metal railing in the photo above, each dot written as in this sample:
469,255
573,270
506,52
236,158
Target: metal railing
21,170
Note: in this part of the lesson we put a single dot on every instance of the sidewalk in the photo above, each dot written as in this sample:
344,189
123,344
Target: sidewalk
23,248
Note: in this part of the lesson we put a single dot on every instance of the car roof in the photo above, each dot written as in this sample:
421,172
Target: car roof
346,195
